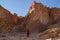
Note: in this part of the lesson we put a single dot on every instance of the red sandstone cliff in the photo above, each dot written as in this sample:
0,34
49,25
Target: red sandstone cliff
8,21
39,17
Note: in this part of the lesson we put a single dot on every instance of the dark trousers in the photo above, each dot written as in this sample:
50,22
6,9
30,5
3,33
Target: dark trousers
27,34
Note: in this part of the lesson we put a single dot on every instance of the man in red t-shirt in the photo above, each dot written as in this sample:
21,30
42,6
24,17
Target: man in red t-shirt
28,31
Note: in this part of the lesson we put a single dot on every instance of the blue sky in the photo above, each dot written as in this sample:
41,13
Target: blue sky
21,6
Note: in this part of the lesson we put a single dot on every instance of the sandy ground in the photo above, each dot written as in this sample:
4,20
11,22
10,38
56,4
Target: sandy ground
19,36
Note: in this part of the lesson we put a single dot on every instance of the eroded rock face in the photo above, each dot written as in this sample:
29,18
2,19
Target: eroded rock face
55,13
39,12
5,20
8,21
37,16
20,25
40,16
5,14
52,32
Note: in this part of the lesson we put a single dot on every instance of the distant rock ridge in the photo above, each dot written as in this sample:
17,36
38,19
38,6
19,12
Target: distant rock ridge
38,18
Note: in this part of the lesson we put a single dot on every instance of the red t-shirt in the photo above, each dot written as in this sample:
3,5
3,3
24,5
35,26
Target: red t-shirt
27,30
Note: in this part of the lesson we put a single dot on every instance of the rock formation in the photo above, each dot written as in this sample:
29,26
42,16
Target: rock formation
52,32
8,21
39,17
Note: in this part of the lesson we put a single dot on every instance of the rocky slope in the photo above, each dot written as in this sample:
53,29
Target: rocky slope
53,31
8,22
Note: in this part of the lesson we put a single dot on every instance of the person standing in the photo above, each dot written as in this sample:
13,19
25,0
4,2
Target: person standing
28,32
